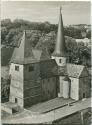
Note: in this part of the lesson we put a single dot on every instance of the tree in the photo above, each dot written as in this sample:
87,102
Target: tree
5,89
88,34
4,32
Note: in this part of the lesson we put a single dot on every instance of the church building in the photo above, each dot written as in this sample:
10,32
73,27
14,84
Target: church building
37,77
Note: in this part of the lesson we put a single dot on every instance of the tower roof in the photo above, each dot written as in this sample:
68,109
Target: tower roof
23,54
60,42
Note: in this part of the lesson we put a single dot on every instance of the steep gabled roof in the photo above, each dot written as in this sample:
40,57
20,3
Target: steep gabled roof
76,71
48,68
37,54
23,53
41,54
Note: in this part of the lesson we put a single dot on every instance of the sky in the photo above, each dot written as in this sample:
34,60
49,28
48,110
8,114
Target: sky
74,12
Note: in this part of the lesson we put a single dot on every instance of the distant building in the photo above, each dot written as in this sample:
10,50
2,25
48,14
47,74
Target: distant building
85,41
87,27
83,34
37,77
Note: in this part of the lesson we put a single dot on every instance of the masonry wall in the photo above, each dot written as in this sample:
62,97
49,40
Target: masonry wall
32,84
32,94
16,86
84,84
84,87
49,88
28,88
33,74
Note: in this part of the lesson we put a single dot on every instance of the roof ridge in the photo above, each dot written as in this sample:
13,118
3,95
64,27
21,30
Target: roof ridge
75,64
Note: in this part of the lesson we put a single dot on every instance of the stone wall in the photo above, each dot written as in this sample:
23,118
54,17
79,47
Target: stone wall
16,86
33,74
84,87
28,102
32,84
49,88
32,91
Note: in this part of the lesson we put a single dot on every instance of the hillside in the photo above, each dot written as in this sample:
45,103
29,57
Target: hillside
43,35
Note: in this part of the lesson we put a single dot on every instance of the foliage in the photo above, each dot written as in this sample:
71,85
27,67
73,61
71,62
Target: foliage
5,89
88,34
11,30
6,53
73,32
78,53
43,35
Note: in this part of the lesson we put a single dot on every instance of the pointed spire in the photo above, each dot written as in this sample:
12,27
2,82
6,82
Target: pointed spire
60,8
23,54
60,42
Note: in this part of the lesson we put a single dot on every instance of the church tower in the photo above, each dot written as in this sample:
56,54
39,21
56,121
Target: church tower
59,55
23,70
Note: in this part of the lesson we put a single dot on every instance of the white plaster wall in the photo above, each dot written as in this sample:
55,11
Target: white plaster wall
61,86
17,92
16,74
12,99
65,89
20,100
16,86
74,89
63,60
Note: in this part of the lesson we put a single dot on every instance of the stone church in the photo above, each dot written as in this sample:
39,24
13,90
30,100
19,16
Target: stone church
37,77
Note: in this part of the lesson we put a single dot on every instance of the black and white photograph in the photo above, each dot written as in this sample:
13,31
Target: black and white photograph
46,62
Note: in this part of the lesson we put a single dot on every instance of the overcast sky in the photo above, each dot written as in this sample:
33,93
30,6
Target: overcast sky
73,12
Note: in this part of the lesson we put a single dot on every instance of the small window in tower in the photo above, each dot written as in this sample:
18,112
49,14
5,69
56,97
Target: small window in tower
31,68
17,68
59,60
16,100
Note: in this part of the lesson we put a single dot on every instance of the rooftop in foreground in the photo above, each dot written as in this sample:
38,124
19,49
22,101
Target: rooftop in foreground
26,116
50,105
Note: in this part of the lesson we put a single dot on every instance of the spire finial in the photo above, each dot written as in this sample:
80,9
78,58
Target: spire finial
60,8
